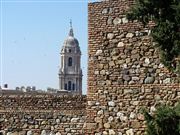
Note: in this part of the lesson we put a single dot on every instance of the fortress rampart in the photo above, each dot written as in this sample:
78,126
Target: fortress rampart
42,114
124,71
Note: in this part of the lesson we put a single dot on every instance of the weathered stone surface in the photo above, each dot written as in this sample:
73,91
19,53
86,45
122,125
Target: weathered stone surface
119,133
14,133
136,124
167,80
128,91
147,61
29,132
111,63
98,120
111,132
74,120
124,20
140,116
90,125
134,52
98,52
105,11
110,119
9,133
111,103
100,112
135,78
148,90
132,115
149,80
52,133
120,44
43,132
126,78
97,133
161,65
130,132
25,125
105,133
117,21
67,129
124,118
135,103
119,114
110,36
22,132
102,72
131,82
129,35
58,133
110,21
152,109
107,125
91,103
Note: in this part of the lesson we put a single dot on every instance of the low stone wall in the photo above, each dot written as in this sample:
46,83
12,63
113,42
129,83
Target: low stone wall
30,101
42,123
42,114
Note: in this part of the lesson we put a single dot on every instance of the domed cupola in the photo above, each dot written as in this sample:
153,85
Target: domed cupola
71,40
71,43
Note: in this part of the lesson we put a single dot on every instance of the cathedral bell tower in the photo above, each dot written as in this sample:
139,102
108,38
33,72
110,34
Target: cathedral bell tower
70,72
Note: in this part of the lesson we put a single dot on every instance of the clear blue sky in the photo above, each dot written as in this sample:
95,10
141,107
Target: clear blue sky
32,33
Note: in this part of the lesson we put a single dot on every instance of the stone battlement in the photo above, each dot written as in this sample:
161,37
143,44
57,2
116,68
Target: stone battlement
31,102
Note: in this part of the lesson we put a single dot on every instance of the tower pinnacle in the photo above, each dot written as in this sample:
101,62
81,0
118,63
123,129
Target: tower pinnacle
70,23
71,30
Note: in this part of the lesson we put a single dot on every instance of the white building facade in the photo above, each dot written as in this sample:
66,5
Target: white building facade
70,72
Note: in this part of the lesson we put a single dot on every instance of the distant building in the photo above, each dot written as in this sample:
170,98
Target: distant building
70,72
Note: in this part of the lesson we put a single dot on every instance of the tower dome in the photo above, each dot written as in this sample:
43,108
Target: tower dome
71,43
71,40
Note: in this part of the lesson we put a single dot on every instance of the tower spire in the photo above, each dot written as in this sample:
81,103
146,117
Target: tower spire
70,23
71,29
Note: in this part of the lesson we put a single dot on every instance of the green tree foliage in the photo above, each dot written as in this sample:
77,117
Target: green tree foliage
165,121
166,32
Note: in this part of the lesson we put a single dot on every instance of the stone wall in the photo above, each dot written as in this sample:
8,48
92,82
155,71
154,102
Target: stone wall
42,114
124,71
30,101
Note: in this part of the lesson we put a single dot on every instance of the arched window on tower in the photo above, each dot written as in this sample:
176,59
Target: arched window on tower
65,86
70,61
73,86
69,85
